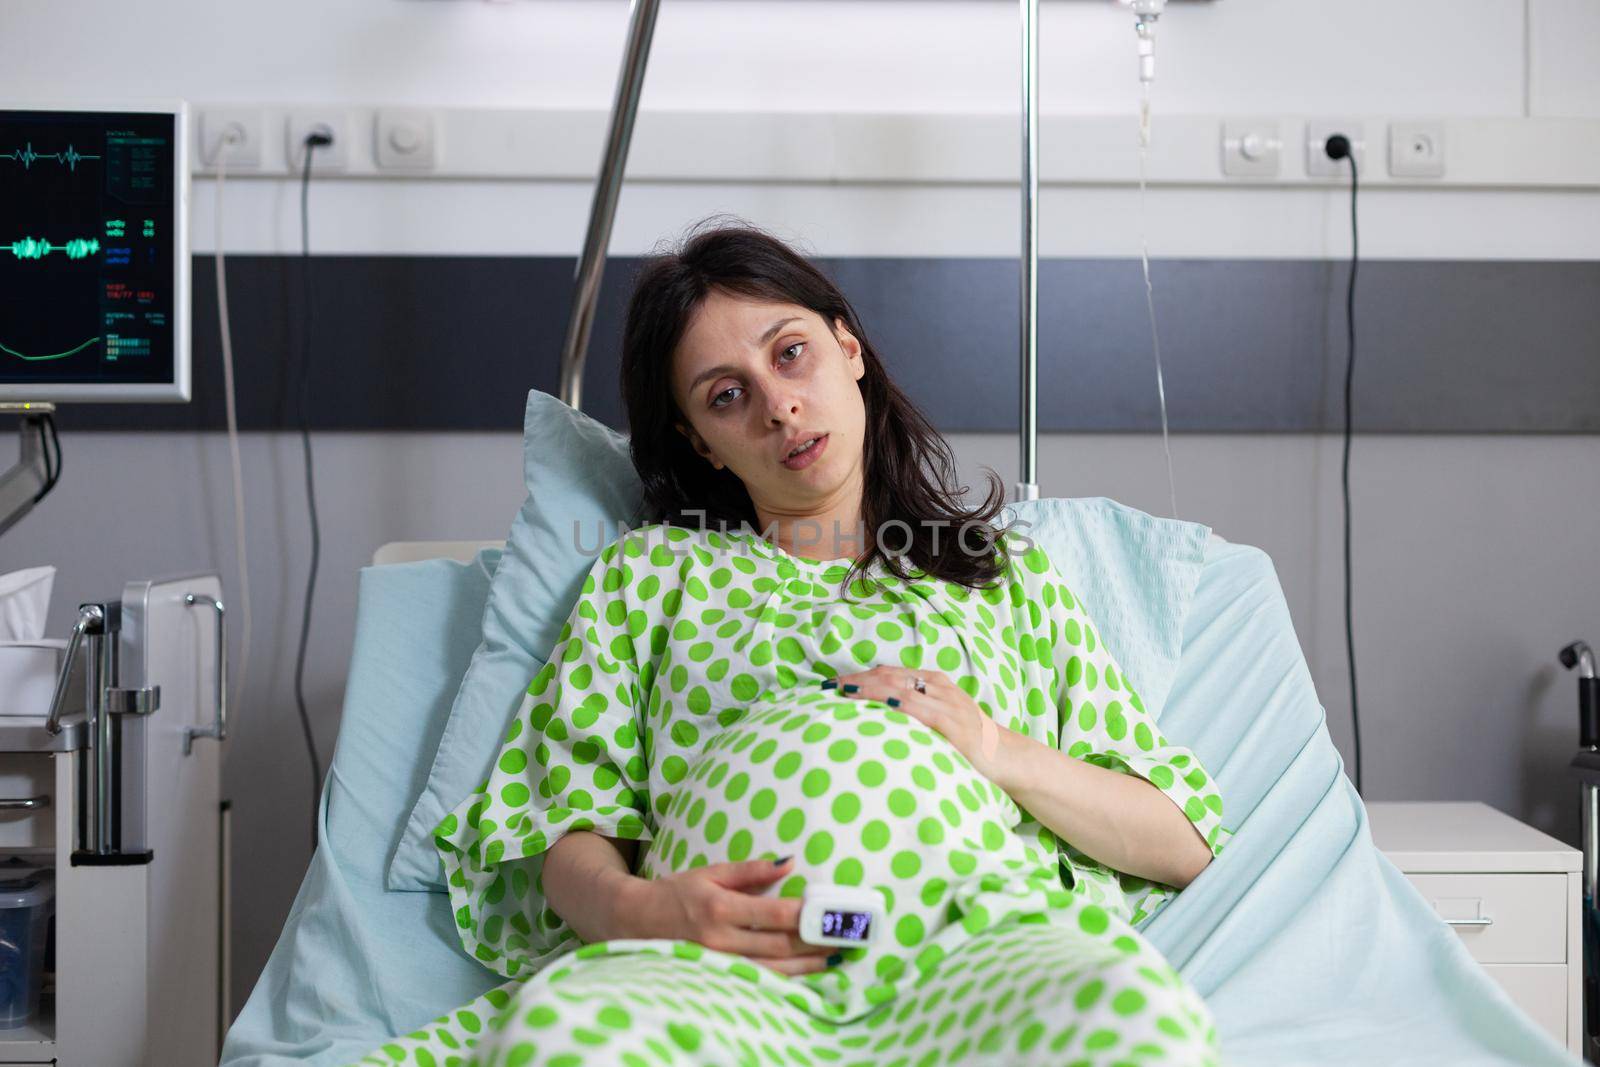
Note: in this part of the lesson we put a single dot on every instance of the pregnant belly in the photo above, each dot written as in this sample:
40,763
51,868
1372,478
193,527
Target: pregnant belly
861,795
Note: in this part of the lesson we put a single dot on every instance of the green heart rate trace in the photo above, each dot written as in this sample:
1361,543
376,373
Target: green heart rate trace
28,157
39,247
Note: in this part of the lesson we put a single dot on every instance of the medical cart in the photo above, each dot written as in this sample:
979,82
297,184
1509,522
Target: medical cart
119,792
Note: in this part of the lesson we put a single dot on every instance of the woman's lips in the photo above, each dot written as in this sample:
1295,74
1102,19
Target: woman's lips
808,457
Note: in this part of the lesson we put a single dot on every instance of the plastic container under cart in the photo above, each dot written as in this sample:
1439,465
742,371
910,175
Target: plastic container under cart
27,903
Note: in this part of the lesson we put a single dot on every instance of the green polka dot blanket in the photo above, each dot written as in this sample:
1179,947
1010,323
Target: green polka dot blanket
682,708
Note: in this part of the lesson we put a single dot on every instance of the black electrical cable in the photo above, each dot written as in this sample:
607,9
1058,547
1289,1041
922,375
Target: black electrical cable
1338,147
55,445
49,464
312,142
48,442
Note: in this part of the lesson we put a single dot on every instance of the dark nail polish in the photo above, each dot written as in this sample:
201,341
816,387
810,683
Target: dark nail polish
893,702
780,861
830,683
849,688
836,959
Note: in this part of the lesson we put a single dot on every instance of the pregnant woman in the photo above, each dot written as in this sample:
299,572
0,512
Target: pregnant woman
815,666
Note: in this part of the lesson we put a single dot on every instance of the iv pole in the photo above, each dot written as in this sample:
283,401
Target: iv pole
1027,488
630,83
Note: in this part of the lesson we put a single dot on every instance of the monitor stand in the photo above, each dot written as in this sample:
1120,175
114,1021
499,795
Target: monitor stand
31,477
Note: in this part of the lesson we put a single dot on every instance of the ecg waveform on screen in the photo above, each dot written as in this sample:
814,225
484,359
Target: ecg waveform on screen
38,248
25,155
53,355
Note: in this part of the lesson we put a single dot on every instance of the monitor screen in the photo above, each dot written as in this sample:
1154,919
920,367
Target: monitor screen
93,255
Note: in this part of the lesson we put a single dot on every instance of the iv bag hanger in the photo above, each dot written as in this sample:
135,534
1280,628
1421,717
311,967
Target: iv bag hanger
591,264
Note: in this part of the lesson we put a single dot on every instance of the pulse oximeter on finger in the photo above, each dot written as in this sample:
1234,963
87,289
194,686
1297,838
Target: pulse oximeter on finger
840,915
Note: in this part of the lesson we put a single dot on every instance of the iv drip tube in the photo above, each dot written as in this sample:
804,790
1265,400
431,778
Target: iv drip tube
1150,305
1146,12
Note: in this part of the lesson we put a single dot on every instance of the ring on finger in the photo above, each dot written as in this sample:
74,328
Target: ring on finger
918,683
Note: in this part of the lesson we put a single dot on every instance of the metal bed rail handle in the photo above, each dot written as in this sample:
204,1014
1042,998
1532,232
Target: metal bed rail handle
218,730
90,616
25,803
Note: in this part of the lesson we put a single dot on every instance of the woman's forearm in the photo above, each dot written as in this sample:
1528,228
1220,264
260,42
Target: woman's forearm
587,881
1117,819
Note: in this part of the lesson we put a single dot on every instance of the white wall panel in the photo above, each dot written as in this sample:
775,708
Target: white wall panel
1565,49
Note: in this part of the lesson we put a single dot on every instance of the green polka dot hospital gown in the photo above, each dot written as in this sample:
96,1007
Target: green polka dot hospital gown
682,707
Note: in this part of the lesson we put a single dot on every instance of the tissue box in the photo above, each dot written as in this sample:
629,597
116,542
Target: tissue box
28,671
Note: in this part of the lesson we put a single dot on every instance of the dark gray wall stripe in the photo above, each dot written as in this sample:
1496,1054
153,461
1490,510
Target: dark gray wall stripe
454,343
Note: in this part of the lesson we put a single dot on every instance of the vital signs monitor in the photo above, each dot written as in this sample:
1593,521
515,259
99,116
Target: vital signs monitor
94,254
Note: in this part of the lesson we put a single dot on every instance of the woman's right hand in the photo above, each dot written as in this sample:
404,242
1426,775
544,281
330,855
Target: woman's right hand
717,906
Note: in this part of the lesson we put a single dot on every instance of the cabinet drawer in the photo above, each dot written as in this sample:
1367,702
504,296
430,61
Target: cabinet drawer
27,777
1540,989
1523,916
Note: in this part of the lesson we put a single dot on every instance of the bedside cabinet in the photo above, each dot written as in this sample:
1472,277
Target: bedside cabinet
1514,895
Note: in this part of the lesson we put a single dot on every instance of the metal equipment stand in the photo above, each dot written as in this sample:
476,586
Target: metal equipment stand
1585,767
591,265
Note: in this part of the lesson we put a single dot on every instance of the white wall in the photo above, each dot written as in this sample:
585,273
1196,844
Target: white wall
1436,56
1225,58
1474,555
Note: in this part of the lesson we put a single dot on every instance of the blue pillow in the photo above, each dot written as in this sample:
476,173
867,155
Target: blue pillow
582,493
1135,572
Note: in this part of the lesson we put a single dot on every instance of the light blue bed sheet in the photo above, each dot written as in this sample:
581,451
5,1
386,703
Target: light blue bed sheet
1308,944
1310,947
355,963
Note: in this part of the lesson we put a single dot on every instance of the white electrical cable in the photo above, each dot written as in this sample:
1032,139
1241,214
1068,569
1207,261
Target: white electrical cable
230,139
1146,31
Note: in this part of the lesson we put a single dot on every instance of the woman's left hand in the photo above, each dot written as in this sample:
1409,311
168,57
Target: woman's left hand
943,707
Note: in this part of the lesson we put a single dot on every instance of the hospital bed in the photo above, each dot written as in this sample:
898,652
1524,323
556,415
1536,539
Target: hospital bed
1309,946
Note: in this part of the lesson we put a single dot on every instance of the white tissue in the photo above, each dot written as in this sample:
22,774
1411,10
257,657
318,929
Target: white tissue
28,660
24,603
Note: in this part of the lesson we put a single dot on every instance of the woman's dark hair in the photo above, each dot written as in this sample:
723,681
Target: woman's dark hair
910,471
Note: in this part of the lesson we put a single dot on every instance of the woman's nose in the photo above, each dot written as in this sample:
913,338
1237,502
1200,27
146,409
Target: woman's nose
782,405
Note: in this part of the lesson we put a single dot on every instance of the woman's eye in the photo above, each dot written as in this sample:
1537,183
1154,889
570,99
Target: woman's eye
791,348
716,401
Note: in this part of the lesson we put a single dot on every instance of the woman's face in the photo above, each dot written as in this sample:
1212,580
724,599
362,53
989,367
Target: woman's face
756,379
